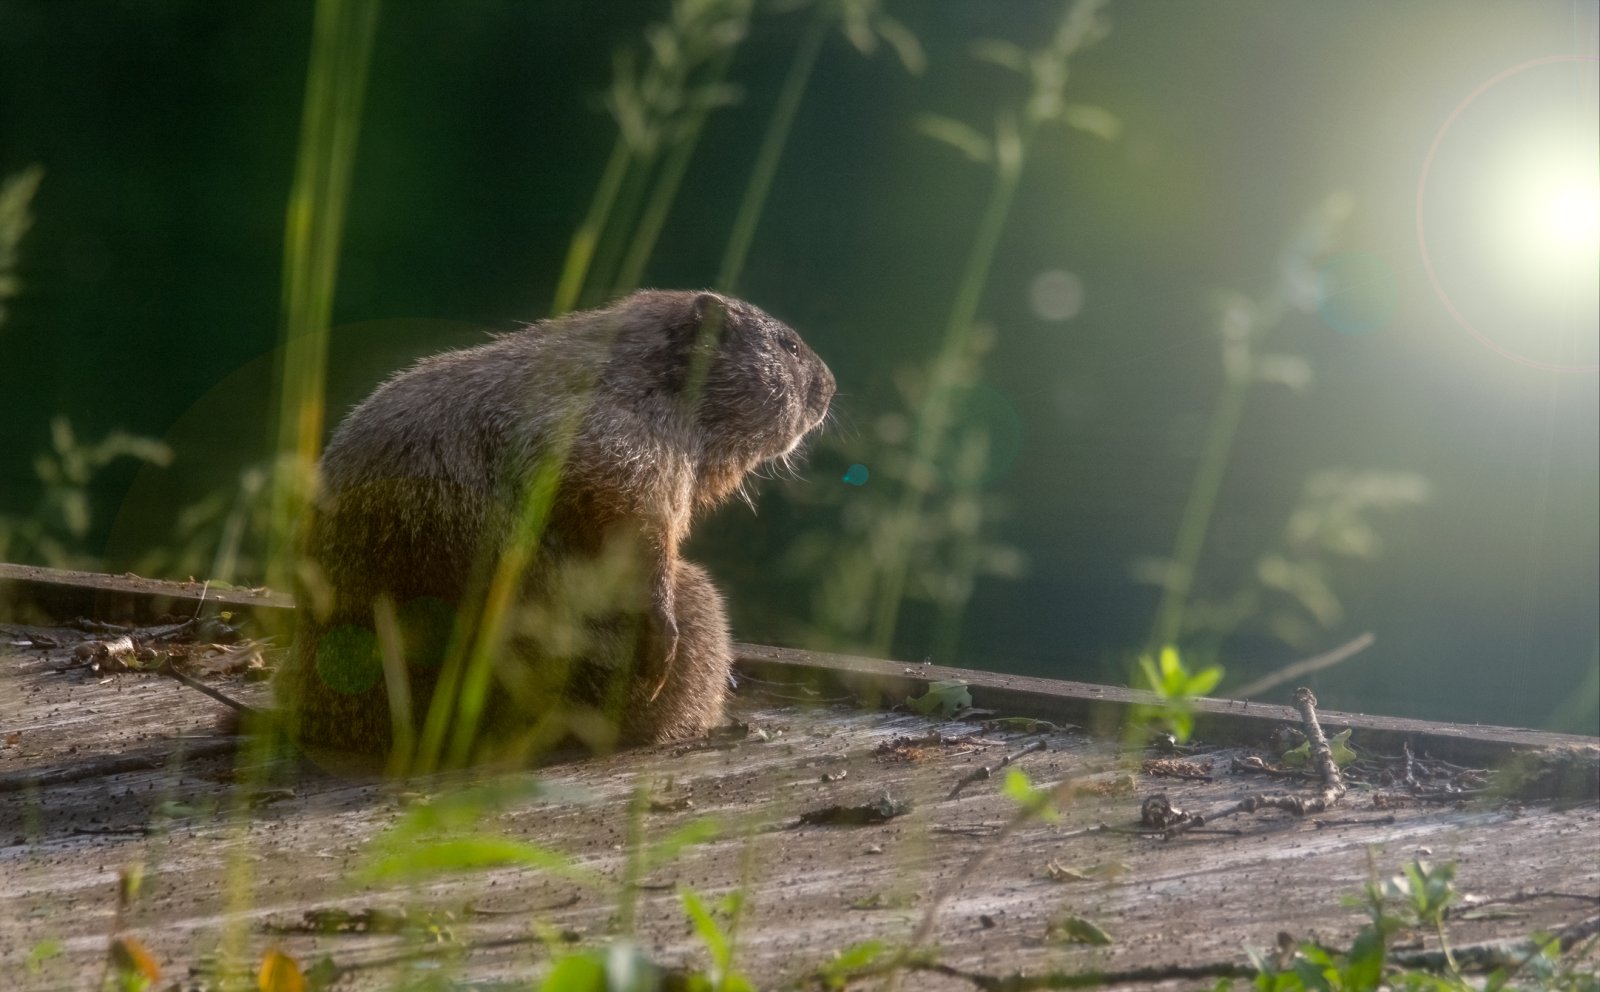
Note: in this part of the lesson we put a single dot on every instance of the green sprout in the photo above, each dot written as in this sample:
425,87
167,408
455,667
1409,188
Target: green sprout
1177,689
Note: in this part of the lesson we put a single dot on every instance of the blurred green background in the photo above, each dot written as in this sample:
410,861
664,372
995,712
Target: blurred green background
1273,269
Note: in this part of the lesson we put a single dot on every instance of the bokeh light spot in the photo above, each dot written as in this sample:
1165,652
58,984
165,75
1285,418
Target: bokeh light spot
1357,292
1056,295
348,661
985,436
856,475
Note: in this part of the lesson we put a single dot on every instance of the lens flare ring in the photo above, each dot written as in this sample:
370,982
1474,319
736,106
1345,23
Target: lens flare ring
1422,230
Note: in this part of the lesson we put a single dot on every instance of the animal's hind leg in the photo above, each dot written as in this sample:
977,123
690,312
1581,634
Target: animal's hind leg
691,700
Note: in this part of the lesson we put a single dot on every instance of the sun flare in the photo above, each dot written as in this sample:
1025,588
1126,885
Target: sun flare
1548,198
1572,215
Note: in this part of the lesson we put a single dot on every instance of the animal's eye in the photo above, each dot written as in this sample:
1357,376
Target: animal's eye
791,345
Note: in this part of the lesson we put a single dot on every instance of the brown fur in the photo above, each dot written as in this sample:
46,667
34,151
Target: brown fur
655,408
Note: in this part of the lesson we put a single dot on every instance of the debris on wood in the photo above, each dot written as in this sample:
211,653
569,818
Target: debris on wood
880,810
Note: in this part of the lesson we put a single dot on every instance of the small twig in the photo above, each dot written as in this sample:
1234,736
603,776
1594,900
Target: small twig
1321,753
1306,667
1488,955
987,771
168,632
1532,895
1409,767
167,668
1019,982
1449,795
1253,765
770,687
981,830
1357,821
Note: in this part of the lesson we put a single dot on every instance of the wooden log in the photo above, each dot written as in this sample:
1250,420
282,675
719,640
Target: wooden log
41,595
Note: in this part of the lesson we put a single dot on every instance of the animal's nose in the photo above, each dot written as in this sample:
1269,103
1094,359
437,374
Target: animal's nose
822,388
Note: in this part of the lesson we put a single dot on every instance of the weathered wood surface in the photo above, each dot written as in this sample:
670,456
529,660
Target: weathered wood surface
219,861
101,772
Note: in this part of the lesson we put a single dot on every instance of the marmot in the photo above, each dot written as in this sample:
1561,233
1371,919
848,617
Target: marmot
578,449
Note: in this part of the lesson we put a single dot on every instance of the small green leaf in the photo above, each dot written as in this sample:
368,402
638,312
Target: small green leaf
1018,787
1096,120
837,973
706,926
1203,681
962,137
1001,53
1339,744
1152,678
944,698
1365,965
1077,930
1008,148
473,853
905,44
129,881
1172,674
694,832
1296,757
577,973
1039,801
43,951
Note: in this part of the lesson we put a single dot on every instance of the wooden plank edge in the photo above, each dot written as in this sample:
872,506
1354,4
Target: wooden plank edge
30,593
1104,709
35,594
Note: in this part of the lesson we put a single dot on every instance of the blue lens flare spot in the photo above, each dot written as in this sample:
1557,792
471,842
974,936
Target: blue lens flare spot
1359,293
856,475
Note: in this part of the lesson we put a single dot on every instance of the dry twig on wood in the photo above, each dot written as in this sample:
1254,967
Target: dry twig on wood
1158,813
987,771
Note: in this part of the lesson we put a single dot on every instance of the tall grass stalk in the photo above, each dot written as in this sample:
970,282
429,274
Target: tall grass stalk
659,115
16,198
1080,26
492,631
1245,325
765,168
606,265
864,24
1197,512
933,419
336,82
665,190
580,251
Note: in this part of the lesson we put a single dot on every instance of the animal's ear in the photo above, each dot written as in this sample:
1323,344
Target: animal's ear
709,321
708,306
700,325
